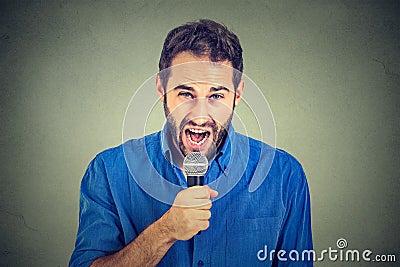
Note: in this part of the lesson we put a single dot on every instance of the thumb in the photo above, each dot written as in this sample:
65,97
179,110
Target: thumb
213,193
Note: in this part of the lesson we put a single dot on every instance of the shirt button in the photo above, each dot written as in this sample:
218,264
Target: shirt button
200,263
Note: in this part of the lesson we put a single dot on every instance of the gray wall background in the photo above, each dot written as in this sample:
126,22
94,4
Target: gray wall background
330,70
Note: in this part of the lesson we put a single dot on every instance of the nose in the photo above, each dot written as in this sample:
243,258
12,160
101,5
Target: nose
200,111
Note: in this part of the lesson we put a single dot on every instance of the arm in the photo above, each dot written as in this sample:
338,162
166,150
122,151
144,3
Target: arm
188,215
100,238
146,250
296,232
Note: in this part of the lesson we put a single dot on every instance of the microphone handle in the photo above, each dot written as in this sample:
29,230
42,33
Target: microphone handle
195,180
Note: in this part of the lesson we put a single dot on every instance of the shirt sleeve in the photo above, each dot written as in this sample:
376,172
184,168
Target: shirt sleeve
99,231
296,236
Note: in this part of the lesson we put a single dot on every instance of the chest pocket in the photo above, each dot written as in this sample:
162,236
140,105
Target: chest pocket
245,237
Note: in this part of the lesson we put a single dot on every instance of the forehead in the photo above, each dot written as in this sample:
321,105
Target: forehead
188,69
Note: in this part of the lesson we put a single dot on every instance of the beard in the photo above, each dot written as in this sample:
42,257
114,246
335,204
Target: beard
219,132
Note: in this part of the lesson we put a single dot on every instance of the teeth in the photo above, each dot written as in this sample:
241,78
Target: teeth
197,131
198,143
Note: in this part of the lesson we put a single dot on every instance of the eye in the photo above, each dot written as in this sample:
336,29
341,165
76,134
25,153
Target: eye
216,96
185,94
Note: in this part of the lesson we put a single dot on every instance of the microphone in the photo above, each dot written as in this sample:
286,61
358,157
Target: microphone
195,165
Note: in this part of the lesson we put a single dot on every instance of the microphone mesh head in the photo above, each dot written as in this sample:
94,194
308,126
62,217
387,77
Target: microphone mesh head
195,164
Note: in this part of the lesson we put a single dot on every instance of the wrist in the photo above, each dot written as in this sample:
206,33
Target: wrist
164,229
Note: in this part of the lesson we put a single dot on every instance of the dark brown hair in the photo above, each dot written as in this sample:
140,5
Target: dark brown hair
203,38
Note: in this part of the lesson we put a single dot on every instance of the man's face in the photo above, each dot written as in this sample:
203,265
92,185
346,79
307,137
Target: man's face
199,108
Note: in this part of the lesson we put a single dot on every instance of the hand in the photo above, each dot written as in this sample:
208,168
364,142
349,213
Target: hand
190,212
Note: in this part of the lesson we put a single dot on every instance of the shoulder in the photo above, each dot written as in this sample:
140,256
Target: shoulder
286,161
278,163
291,175
111,157
281,157
114,156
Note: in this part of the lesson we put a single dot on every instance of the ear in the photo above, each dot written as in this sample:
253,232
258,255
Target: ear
160,88
239,92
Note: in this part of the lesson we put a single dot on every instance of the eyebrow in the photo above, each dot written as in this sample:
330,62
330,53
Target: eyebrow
219,88
212,89
184,87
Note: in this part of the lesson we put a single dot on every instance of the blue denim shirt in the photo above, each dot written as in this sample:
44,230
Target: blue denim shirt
263,204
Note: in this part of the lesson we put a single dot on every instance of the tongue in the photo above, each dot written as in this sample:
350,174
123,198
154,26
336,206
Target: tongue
197,137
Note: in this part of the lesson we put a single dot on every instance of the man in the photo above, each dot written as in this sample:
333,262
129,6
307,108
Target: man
121,225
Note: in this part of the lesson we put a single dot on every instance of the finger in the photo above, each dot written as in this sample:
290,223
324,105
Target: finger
205,207
199,192
203,215
204,225
199,215
200,203
213,193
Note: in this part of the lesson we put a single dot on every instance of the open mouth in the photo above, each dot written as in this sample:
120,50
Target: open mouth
197,137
